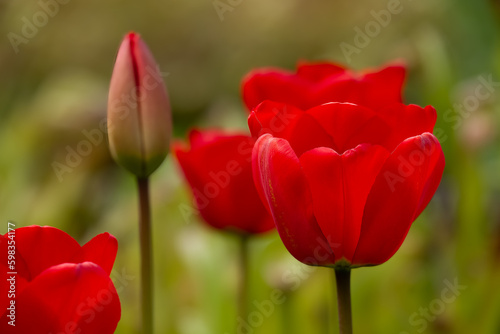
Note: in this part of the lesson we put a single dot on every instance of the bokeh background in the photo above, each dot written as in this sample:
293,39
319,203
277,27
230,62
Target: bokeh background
53,91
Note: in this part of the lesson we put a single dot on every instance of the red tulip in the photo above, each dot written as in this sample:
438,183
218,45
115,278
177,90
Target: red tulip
318,83
60,286
218,168
344,182
139,122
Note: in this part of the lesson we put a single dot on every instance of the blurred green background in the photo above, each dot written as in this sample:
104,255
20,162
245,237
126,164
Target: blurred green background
53,89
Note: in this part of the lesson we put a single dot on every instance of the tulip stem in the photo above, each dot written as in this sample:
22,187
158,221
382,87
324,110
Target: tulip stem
287,318
343,278
146,255
243,284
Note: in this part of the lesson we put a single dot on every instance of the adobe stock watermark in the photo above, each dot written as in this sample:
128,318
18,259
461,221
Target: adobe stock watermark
223,6
221,179
95,137
11,273
30,26
420,320
373,28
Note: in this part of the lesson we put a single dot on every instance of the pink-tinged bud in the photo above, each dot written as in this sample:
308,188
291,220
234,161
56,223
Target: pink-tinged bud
139,120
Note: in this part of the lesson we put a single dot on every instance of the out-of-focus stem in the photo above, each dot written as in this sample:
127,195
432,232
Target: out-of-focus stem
146,255
243,284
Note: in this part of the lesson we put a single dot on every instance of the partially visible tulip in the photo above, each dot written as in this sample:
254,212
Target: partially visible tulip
218,168
317,83
58,285
139,120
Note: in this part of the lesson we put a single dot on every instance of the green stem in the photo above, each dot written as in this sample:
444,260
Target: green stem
343,278
146,255
243,286
287,318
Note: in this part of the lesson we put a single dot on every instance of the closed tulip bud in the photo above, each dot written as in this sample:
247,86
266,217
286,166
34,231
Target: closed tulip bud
139,121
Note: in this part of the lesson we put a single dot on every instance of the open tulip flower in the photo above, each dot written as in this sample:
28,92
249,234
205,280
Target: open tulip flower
55,285
341,164
345,181
218,168
317,83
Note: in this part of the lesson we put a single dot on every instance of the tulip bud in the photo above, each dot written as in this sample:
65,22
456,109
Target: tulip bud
139,120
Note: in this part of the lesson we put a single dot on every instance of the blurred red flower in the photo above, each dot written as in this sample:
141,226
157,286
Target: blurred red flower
343,180
317,83
59,286
218,168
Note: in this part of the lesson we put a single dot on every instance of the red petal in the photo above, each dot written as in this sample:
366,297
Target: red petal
433,177
274,117
276,85
220,174
44,247
407,121
100,250
256,173
317,72
340,185
384,87
350,125
199,138
319,83
285,188
67,298
405,183
372,90
302,131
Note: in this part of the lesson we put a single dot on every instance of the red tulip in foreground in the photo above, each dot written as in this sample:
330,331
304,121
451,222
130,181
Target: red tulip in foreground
317,83
345,179
57,286
343,166
218,168
139,124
